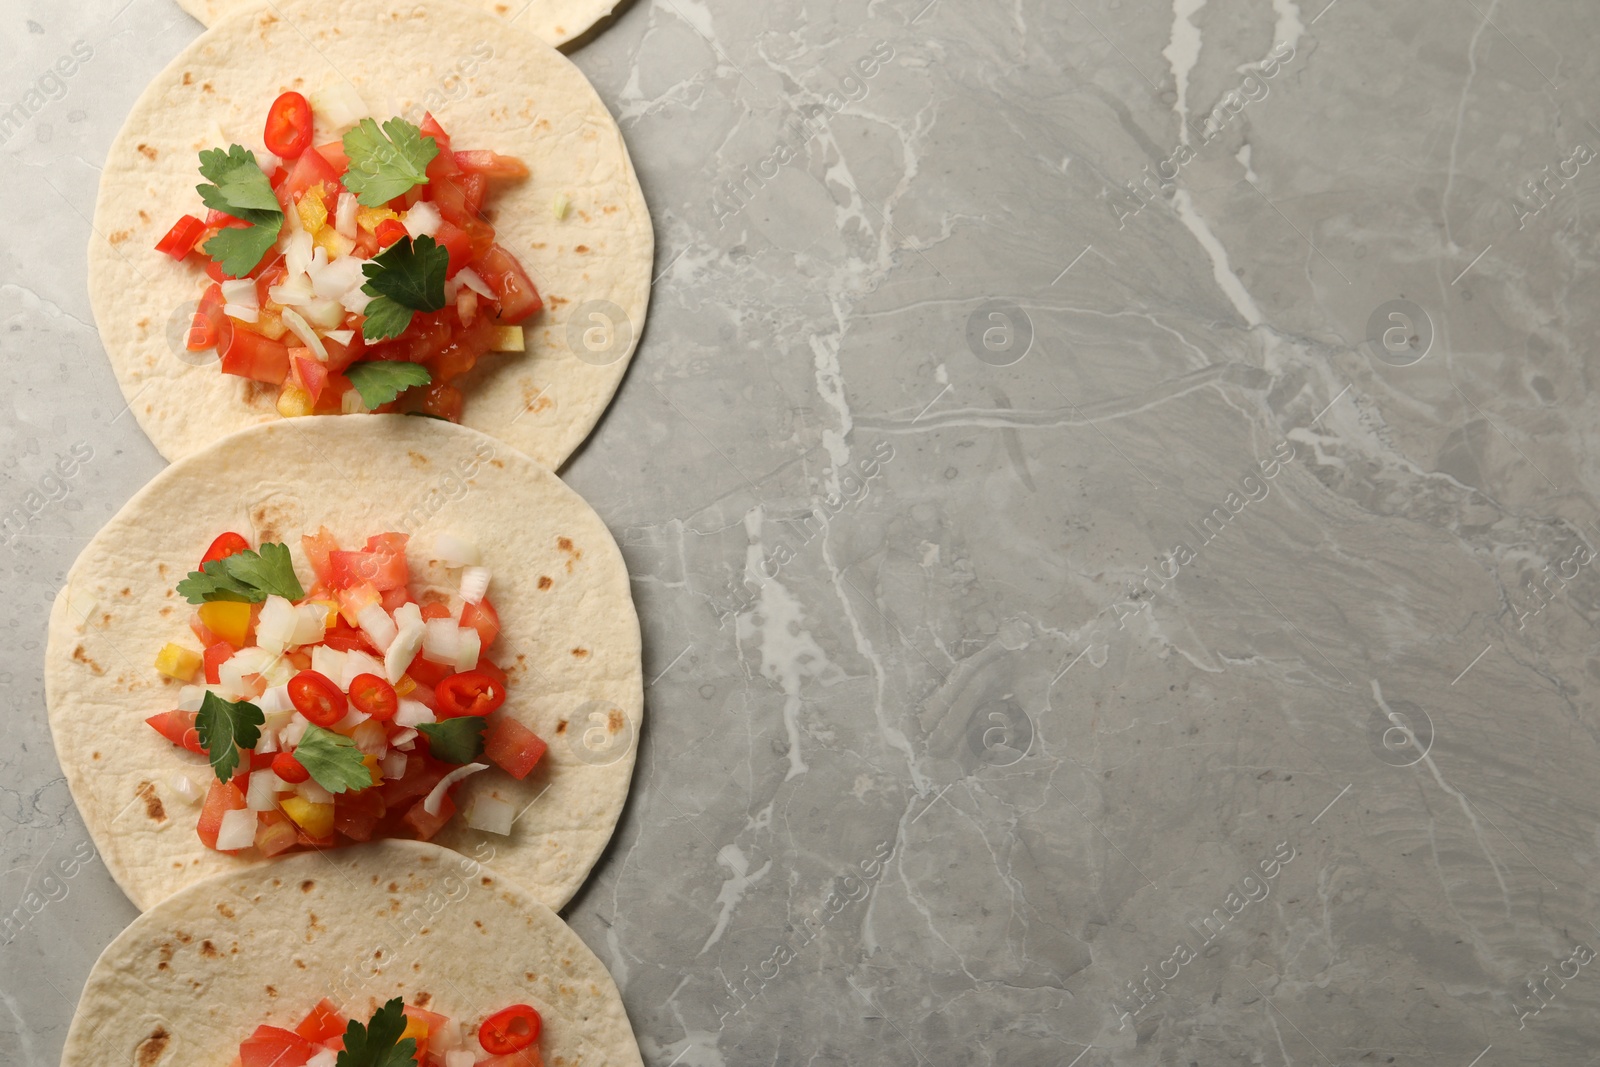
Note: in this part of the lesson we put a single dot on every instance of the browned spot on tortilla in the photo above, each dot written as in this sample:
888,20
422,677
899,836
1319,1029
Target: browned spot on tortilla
501,9
225,911
581,249
188,78
561,727
417,458
580,653
152,803
394,887
208,950
614,721
378,955
144,216
564,544
95,756
557,301
161,568
151,1048
609,209
478,923
300,964
500,463
166,610
119,236
530,976
205,87
272,991
486,880
307,886
183,938
259,392
79,655
128,592
545,582
422,1000
147,152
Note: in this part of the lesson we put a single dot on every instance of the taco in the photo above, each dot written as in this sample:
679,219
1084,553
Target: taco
330,630
294,221
399,953
553,21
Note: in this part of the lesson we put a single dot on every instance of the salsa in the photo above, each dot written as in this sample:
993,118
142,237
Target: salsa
343,712
396,1034
355,275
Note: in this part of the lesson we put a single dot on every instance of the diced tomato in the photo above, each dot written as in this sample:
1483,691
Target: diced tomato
271,272
309,375
511,745
389,231
250,355
288,129
355,600
393,598
435,609
356,813
464,349
528,1057
224,546
207,636
491,670
428,672
491,164
275,833
430,128
180,240
216,655
457,243
421,775
443,400
317,546
178,727
221,798
331,402
346,638
432,1020
323,1022
385,569
519,298
424,694
309,169
423,825
341,355
271,1046
206,328
483,618
333,152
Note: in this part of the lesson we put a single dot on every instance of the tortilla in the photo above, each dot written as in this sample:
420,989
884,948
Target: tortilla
553,21
492,86
193,977
569,639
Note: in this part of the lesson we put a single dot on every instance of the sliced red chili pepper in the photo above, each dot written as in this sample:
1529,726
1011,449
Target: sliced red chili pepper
389,231
374,696
317,698
288,129
469,693
285,766
224,546
510,1029
179,241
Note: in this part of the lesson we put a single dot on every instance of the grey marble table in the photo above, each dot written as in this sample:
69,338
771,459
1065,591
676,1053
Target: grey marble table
1109,495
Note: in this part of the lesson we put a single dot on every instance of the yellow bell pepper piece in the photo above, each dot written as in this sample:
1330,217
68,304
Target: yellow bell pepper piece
332,607
294,402
405,685
416,1028
270,325
228,619
508,339
368,218
313,212
315,819
333,242
370,762
178,662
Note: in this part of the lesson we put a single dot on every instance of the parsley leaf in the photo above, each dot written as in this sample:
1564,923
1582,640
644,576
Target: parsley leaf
381,168
407,276
378,1044
242,190
246,575
226,727
455,740
380,381
332,760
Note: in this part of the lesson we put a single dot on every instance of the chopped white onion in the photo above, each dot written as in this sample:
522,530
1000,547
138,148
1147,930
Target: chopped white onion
352,719
344,216
403,738
279,671
357,662
378,626
264,789
446,1038
474,281
323,1058
311,791
276,624
344,337
422,220
455,551
350,403
355,300
410,713
324,314
184,786
458,1058
238,829
338,106
469,647
293,731
328,662
240,292
310,623
492,813
243,314
230,676
393,765
266,160
440,643
278,718
398,656
300,253
190,697
431,805
267,743
474,584
408,615
293,291
302,329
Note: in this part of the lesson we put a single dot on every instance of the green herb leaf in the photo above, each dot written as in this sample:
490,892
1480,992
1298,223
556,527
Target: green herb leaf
455,740
378,1044
225,727
382,168
409,274
246,576
380,381
332,759
242,190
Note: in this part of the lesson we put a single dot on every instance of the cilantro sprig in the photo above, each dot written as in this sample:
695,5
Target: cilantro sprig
225,727
379,1044
332,760
406,277
246,576
456,740
384,164
239,188
380,381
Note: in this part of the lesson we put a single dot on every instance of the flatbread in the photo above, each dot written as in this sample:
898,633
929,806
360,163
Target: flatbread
193,977
554,22
492,86
569,638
